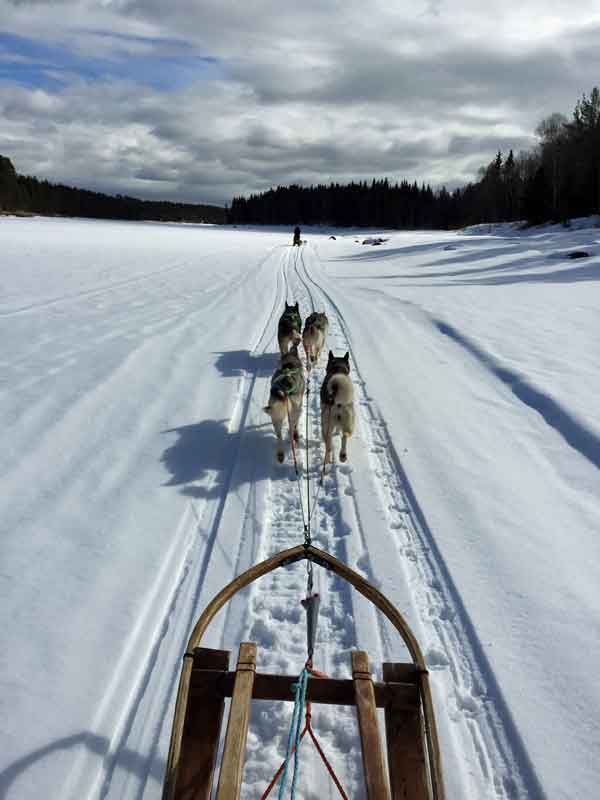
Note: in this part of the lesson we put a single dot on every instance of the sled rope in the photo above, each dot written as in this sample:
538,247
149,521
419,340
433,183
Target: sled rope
307,729
297,471
322,472
295,736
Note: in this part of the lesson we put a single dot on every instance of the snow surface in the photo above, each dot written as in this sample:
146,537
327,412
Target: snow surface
138,477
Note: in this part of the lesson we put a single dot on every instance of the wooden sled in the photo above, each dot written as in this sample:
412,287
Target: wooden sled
413,751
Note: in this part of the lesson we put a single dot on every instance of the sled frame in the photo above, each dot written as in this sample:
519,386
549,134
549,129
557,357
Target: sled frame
411,729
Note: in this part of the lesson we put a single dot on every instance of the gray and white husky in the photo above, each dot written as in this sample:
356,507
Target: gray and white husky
285,398
337,404
315,330
289,327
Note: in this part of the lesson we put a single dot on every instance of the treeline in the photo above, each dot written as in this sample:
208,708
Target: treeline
379,204
20,193
558,179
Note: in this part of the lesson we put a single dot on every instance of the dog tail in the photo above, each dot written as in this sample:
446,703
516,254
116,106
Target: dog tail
332,390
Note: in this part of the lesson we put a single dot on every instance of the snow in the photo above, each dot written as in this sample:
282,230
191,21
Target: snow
138,477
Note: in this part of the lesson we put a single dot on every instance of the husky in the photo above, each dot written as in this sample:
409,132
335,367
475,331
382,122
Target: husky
337,404
289,327
285,399
313,336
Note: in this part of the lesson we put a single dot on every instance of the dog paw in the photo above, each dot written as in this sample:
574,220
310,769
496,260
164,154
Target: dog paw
343,456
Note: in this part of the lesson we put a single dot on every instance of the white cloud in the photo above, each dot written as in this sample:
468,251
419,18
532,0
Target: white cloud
426,91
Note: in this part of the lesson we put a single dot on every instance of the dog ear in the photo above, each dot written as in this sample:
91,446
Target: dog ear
330,357
347,357
297,306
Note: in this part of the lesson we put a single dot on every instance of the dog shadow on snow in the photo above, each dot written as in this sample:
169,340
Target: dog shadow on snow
234,363
207,459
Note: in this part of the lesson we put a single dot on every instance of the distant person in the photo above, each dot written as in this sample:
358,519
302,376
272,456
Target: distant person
297,239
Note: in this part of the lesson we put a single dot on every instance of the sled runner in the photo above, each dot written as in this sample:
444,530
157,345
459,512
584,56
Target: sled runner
412,745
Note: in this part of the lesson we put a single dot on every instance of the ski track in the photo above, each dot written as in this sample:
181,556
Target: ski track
102,289
271,519
132,759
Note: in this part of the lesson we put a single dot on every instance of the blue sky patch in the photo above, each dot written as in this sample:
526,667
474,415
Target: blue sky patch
164,64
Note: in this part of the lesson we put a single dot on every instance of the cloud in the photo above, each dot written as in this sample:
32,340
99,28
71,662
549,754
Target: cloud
212,100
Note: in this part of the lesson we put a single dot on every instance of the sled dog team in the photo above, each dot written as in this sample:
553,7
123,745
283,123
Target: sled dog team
288,382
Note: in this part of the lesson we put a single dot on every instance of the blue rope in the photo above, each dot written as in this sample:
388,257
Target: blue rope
294,734
304,685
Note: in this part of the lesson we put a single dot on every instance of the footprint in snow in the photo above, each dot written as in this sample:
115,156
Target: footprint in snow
468,704
436,659
446,614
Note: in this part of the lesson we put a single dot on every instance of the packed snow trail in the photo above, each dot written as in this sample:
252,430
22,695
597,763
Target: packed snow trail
384,521
139,477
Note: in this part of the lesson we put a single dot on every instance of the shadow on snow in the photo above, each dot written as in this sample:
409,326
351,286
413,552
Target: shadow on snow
564,423
234,363
209,452
136,763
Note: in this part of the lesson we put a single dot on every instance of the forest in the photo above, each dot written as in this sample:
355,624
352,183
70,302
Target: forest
556,180
28,195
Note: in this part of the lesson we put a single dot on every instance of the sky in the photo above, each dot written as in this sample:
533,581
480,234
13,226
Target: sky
204,100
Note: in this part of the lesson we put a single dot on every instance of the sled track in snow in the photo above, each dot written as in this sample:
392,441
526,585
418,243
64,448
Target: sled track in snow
272,614
475,699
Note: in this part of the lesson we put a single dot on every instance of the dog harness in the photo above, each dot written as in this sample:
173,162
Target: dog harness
292,317
286,383
316,320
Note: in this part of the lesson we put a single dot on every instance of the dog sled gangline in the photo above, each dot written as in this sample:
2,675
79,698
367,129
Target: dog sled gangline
413,755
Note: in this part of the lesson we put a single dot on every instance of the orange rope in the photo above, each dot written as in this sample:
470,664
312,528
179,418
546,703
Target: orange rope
309,729
330,769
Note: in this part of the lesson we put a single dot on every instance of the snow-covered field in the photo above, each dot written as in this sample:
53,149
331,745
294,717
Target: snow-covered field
138,477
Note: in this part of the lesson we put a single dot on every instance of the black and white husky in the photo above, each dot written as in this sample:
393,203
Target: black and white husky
285,398
337,404
315,330
289,327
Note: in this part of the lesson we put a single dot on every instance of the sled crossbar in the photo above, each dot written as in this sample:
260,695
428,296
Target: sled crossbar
402,691
211,682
